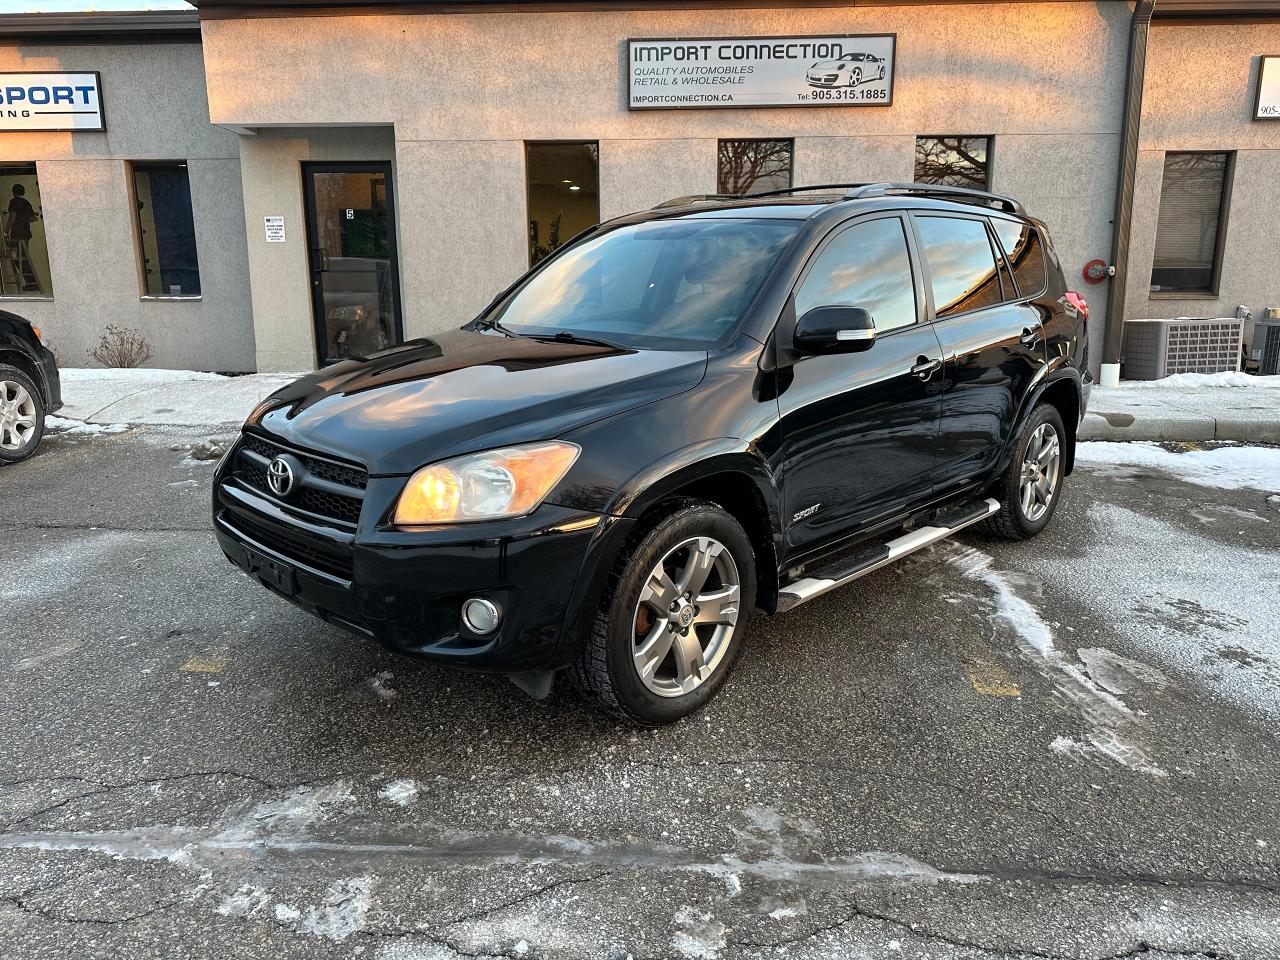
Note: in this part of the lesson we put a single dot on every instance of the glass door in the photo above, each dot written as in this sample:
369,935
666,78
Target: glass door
355,285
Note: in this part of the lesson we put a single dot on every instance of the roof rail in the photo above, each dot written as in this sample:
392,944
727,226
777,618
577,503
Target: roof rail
960,194
696,198
791,190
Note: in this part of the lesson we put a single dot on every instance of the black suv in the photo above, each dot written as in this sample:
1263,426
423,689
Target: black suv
722,404
29,387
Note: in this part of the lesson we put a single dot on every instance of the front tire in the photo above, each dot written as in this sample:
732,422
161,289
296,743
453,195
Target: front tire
21,415
672,619
1031,486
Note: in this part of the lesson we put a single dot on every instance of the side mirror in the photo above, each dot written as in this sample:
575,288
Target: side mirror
834,330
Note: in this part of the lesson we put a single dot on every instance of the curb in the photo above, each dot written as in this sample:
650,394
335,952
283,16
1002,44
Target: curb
1098,425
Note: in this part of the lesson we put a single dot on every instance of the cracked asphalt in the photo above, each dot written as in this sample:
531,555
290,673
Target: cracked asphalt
1062,749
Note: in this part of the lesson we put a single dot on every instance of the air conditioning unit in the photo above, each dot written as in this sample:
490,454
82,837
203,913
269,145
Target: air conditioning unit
1155,349
1266,343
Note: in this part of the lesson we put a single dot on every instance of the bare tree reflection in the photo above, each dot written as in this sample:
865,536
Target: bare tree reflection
754,166
952,161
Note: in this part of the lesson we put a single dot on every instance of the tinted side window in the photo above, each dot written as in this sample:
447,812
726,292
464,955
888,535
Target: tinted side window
867,266
1026,255
961,263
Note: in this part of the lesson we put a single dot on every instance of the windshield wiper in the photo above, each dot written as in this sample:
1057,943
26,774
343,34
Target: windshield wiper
565,336
495,324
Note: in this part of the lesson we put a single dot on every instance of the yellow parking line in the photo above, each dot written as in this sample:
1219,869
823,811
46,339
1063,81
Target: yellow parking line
206,663
984,671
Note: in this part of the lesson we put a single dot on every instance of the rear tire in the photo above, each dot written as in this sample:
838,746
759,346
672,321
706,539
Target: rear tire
21,415
1031,486
672,619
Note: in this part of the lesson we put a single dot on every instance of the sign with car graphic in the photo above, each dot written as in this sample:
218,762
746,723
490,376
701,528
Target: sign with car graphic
708,72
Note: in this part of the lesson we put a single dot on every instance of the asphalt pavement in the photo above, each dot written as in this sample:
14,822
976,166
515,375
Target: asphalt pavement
1064,748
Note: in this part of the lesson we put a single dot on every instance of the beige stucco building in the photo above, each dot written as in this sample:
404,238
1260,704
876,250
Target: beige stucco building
367,173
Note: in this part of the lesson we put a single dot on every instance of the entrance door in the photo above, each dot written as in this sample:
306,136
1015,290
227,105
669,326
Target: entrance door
355,284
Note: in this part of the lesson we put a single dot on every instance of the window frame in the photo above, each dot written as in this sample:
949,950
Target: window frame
135,215
528,184
30,296
1213,291
925,269
991,152
791,155
787,324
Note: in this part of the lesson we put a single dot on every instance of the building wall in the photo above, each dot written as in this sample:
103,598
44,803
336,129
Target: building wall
156,109
1199,95
463,93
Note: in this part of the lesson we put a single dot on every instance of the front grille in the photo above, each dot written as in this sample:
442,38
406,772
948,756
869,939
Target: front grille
308,498
333,559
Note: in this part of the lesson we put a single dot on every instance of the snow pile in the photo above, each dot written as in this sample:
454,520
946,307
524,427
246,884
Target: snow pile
1185,381
139,375
1224,468
80,428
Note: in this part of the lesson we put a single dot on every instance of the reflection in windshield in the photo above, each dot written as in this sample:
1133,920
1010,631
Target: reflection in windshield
665,284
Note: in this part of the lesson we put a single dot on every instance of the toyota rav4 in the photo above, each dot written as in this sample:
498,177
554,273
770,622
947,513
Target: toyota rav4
721,405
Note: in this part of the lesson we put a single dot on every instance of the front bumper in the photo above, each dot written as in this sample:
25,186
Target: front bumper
405,589
825,79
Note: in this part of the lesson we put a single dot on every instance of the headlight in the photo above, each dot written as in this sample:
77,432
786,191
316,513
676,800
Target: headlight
485,486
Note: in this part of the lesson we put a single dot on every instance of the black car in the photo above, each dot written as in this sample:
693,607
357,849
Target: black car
720,405
29,387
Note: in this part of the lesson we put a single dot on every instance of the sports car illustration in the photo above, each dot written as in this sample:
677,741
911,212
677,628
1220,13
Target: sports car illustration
847,71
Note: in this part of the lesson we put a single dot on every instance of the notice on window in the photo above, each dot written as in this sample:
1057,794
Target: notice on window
275,229
51,101
836,71
1268,104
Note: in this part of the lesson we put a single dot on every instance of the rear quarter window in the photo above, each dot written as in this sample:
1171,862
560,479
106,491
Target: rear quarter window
1025,251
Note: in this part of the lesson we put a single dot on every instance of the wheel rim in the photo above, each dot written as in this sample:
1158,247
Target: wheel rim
1039,477
17,416
684,621
857,77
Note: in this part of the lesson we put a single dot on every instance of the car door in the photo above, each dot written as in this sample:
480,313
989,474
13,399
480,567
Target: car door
858,429
992,343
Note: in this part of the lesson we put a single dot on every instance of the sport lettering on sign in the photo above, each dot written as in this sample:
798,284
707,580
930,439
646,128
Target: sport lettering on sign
51,101
761,72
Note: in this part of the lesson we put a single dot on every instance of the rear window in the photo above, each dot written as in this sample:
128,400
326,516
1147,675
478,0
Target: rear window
1025,251
961,264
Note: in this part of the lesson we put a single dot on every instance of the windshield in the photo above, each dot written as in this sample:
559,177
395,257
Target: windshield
668,284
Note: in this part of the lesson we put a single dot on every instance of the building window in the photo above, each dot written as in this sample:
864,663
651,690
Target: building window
1189,235
563,181
754,166
166,230
954,161
24,253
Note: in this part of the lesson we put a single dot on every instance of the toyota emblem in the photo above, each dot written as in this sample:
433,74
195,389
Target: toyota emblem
280,477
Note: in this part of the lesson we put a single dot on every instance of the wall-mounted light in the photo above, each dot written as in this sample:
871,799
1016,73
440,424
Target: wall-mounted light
575,187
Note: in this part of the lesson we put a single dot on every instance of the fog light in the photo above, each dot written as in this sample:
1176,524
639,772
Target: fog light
481,615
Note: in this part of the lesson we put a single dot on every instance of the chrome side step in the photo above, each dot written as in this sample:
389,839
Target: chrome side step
838,574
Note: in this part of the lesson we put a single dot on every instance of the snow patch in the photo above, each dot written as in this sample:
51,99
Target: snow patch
789,911
699,936
378,684
1224,468
1115,729
343,912
64,425
139,375
400,792
1185,381
247,901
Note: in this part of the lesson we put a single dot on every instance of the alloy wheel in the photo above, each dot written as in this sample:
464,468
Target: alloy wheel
684,621
17,416
1038,480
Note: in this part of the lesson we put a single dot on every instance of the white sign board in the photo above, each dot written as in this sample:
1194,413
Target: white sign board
275,229
51,101
702,72
1267,106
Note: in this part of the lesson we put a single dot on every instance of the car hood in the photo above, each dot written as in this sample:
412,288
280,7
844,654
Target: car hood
465,391
826,65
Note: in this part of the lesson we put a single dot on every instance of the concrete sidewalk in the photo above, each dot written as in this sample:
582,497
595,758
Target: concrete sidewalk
180,398
1187,407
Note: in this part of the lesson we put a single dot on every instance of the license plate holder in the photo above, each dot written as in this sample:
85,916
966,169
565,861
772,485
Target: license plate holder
271,571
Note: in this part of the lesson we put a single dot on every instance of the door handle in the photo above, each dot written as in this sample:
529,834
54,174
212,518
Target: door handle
1029,335
925,367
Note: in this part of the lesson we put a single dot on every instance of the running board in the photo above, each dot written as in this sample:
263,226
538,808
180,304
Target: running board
873,558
